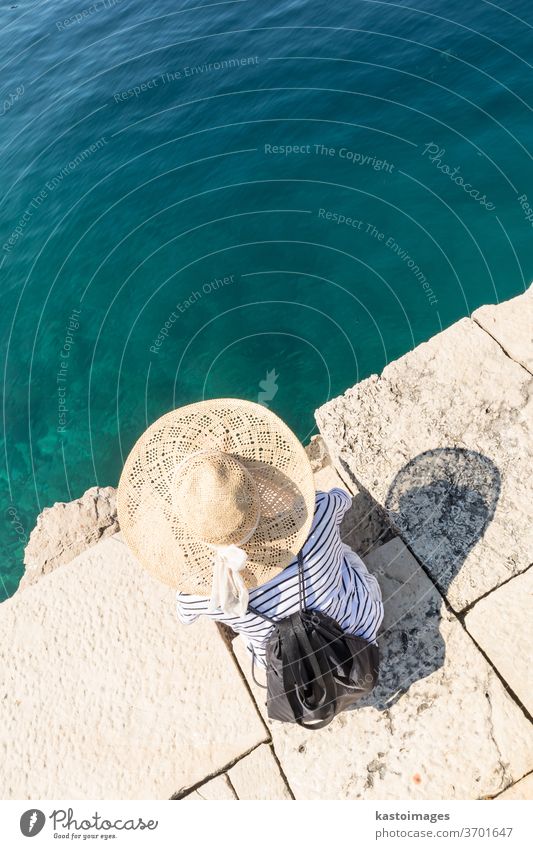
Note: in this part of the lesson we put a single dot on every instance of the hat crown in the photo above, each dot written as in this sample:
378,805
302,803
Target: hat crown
217,498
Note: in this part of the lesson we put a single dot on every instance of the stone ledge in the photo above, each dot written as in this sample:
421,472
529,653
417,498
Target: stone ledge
104,695
441,441
217,789
439,725
510,324
67,529
257,776
502,625
523,789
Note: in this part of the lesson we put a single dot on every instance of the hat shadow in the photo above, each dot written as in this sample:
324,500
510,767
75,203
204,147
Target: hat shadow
440,504
283,515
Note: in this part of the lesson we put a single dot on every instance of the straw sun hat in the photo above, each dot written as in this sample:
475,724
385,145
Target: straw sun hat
216,498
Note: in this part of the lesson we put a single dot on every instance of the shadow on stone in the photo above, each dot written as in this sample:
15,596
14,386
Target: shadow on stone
365,525
440,503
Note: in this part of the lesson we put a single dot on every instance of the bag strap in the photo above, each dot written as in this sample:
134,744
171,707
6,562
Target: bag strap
322,677
254,679
293,646
296,646
301,582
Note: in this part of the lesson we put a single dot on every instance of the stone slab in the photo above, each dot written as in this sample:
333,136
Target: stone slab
439,725
257,776
521,790
442,440
511,324
105,695
217,789
502,624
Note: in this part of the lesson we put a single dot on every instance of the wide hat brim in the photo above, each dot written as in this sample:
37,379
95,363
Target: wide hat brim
263,443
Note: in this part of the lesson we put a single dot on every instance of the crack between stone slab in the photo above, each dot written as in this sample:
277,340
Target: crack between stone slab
269,740
510,692
281,770
472,604
176,797
228,779
428,574
341,468
507,354
504,776
459,616
518,780
249,690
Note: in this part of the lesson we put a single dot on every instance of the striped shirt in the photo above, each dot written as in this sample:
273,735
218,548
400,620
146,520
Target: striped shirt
336,582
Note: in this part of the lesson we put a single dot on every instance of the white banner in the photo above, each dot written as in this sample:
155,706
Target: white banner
356,824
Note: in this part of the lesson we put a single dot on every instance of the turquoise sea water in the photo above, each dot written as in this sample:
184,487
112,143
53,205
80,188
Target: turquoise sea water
266,200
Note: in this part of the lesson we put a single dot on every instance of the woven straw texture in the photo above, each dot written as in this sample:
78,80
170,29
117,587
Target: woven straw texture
217,498
164,511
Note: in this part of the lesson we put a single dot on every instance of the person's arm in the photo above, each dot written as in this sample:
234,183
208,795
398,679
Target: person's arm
342,501
188,608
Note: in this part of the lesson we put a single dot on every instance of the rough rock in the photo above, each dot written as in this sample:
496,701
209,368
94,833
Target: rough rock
217,789
317,453
511,324
521,790
68,528
257,776
501,623
441,441
439,725
365,525
105,695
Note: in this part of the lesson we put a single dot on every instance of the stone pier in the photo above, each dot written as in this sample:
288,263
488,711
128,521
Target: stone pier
104,694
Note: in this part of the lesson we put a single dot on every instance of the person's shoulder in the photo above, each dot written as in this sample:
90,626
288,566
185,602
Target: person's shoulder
335,498
332,505
342,494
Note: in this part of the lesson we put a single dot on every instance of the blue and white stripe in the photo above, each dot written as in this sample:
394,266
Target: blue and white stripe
336,582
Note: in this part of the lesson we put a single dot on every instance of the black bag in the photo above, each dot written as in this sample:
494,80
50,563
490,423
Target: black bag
314,669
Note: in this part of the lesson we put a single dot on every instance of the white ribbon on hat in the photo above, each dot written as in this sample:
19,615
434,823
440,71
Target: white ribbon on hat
228,591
